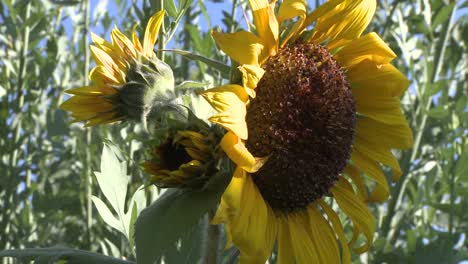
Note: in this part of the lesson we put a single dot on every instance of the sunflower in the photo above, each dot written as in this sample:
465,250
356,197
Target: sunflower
315,115
127,79
183,160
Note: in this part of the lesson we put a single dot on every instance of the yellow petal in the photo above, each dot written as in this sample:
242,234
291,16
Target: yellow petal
230,101
86,104
105,60
136,40
369,78
368,47
356,210
251,75
123,44
344,23
243,47
92,90
338,227
319,12
378,153
108,48
102,75
285,249
102,44
355,175
382,109
151,32
302,244
392,136
372,169
291,9
253,226
237,152
266,24
323,236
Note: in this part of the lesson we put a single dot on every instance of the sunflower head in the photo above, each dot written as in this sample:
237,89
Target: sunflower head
311,121
128,80
184,159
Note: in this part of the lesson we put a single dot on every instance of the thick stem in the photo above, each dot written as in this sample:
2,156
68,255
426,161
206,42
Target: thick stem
211,241
87,168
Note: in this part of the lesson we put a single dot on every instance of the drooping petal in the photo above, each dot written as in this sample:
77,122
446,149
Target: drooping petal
371,79
102,75
237,152
368,47
338,227
243,47
302,244
291,8
320,11
352,172
252,223
92,90
379,153
356,210
372,169
392,136
251,75
232,197
86,104
323,236
344,23
230,101
285,249
266,24
382,109
151,33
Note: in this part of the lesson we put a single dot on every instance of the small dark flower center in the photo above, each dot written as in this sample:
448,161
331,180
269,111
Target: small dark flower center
303,119
172,155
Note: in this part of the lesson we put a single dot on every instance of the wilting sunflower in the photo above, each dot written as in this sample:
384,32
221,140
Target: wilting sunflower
183,160
127,81
315,116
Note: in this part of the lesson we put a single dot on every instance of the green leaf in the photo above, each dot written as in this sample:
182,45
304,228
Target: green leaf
439,112
221,67
172,216
443,15
113,182
171,8
461,169
436,87
53,255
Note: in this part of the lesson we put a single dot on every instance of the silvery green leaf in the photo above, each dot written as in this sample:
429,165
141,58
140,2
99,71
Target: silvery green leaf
172,216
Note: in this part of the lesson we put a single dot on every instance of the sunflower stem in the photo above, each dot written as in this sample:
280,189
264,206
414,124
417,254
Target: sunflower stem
212,241
87,168
401,185
162,32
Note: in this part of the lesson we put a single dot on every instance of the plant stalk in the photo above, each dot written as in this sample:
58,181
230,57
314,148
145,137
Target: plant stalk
401,186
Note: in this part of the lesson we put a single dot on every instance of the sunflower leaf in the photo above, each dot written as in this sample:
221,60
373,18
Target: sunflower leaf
172,216
53,255
221,67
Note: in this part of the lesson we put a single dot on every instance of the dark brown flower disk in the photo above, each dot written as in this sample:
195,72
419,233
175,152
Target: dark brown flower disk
303,118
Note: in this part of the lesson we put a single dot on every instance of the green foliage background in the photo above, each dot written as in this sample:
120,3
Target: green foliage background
47,184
